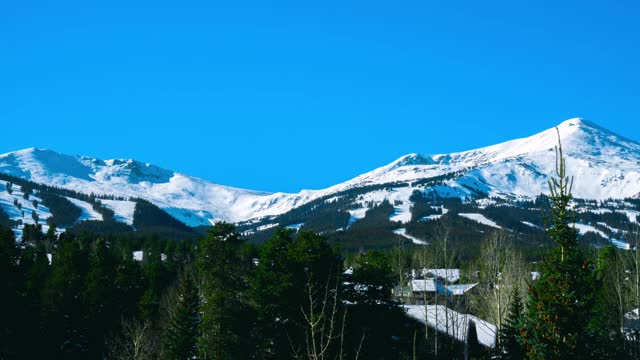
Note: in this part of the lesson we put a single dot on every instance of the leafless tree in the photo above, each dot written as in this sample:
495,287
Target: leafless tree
501,269
136,341
324,327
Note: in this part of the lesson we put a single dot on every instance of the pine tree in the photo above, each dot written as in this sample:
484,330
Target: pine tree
182,331
8,280
272,292
222,289
509,346
561,301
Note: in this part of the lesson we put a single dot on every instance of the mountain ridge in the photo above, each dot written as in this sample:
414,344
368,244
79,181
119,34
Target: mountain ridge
606,165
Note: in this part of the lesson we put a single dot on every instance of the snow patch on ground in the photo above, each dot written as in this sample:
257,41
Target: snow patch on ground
530,224
631,214
480,219
584,228
415,240
295,227
6,202
87,210
266,227
123,210
356,215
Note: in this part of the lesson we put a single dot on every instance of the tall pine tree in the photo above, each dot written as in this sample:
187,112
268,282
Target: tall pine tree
561,301
223,311
180,341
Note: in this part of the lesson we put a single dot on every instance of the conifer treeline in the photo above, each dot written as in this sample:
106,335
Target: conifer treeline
217,298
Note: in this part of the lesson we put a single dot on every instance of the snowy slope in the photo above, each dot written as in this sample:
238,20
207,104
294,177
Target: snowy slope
604,164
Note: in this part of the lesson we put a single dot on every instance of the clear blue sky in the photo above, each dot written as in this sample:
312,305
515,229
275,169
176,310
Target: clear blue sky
285,95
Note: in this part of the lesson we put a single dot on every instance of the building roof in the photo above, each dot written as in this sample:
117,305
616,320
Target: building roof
450,275
460,289
424,285
453,323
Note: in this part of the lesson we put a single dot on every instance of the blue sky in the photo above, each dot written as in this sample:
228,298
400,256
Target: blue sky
285,95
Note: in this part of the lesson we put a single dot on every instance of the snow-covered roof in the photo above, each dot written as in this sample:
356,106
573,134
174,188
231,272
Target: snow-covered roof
137,255
453,323
425,285
451,275
633,315
460,289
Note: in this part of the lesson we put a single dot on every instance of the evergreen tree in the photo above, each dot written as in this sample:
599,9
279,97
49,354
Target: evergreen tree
561,301
182,331
156,279
509,344
374,320
272,292
222,286
34,270
64,305
8,283
99,294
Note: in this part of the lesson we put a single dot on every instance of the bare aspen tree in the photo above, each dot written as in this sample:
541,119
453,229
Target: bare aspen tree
323,325
136,341
501,268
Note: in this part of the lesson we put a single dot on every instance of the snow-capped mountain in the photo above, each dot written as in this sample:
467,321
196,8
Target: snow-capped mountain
604,164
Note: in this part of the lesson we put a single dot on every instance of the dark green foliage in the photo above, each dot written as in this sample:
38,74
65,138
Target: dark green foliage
509,344
373,320
149,219
32,233
63,212
296,279
374,231
4,219
8,286
67,326
273,291
100,228
223,334
561,302
181,336
156,279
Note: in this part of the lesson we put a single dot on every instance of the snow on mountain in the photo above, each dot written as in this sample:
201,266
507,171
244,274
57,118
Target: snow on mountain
605,165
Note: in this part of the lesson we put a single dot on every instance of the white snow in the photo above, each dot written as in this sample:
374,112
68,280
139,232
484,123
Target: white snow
620,244
584,228
480,219
423,285
137,255
631,214
460,289
415,240
123,210
605,163
295,227
87,210
6,202
435,216
530,224
450,275
267,226
453,323
356,215
535,275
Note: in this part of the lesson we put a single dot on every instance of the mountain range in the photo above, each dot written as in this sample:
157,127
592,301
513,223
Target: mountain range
605,166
